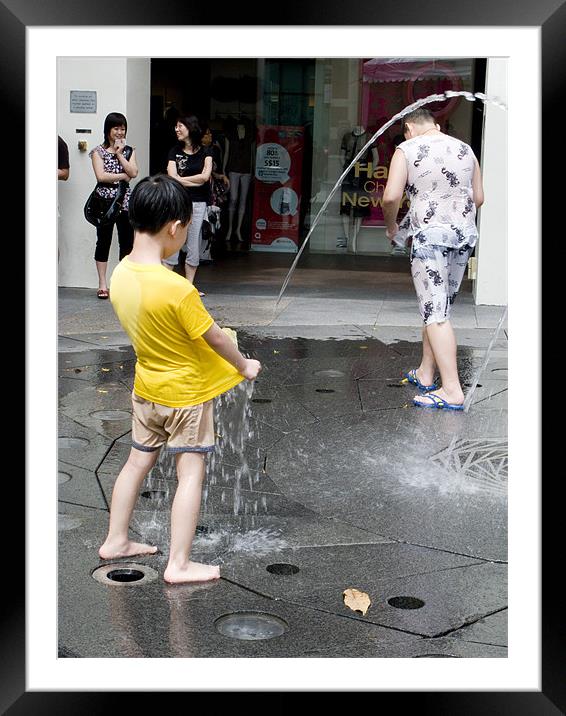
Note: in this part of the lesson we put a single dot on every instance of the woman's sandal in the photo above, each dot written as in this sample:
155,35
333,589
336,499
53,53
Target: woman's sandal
437,402
411,377
103,293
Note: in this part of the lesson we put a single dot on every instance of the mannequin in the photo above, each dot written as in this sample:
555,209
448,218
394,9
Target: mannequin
352,216
238,166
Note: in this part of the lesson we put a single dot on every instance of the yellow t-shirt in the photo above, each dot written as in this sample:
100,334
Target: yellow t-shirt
164,317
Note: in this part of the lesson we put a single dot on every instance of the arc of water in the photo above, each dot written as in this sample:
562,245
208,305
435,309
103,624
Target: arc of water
471,97
483,366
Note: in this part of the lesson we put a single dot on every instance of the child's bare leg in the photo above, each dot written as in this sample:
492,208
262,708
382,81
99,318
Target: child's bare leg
124,495
184,516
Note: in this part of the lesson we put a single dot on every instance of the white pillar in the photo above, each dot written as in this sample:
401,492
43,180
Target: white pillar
490,287
121,85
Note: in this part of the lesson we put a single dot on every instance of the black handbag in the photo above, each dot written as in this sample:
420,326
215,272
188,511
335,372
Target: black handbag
99,210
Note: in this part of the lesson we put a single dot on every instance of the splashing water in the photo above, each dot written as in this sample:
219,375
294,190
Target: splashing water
471,97
470,393
232,412
160,483
259,541
227,467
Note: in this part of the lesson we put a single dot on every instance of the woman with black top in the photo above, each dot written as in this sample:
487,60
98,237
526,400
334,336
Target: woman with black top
191,164
110,168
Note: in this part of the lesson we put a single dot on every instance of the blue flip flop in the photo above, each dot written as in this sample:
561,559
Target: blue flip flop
411,376
437,402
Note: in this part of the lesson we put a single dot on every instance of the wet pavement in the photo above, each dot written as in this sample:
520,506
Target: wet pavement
339,479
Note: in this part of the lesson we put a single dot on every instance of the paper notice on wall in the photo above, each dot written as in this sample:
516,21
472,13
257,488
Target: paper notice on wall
277,191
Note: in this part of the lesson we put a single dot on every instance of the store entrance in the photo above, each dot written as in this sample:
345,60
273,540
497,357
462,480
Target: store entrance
238,99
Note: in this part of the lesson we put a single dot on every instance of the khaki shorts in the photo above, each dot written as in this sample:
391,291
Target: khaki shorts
188,429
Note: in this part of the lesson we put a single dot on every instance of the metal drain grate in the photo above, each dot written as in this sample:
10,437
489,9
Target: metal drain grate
251,626
124,574
484,461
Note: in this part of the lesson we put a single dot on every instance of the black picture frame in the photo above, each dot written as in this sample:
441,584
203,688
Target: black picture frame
550,17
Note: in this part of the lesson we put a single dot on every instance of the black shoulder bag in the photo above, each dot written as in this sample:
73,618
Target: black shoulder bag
100,210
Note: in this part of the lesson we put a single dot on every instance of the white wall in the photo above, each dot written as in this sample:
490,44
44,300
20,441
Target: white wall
490,287
122,85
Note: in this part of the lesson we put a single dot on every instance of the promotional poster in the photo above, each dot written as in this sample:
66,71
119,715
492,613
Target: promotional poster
277,195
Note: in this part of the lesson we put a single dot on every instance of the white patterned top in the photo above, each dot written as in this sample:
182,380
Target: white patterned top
439,185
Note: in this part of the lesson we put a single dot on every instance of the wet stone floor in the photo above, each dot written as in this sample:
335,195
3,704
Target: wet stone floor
325,479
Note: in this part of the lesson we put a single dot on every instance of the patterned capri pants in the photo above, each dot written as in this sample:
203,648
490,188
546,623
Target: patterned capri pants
437,274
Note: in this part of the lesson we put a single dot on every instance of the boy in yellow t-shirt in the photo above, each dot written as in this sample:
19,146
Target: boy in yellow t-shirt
184,360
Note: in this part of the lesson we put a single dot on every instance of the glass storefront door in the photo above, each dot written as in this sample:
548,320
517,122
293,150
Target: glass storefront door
286,129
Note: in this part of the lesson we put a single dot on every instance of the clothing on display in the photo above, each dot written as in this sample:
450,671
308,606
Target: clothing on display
353,185
238,166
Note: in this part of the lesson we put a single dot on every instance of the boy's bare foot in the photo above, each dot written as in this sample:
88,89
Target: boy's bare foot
128,549
193,572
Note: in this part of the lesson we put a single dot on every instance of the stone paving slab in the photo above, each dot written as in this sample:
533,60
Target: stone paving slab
450,597
439,648
323,399
335,568
343,367
489,630
259,535
100,371
318,312
79,445
309,332
276,407
489,316
234,312
105,408
80,486
160,620
325,479
291,348
385,487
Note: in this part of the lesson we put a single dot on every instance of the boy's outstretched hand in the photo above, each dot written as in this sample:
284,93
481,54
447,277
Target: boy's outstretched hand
251,369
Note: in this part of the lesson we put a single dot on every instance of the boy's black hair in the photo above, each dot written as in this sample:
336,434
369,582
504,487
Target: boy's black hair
419,116
155,201
114,119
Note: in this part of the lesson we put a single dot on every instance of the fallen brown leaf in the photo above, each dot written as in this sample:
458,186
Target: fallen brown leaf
357,601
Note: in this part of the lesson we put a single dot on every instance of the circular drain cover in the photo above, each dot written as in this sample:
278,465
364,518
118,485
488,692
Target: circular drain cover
250,626
325,390
72,443
282,569
111,415
124,574
329,373
63,477
406,602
